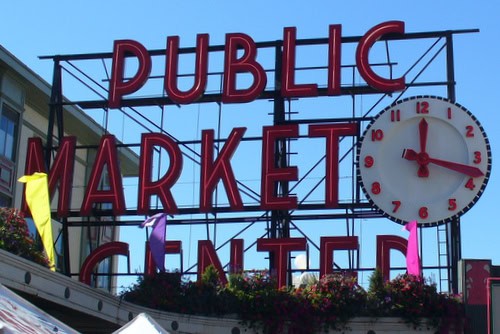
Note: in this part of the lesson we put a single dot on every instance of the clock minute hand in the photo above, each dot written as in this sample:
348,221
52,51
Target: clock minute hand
422,130
472,171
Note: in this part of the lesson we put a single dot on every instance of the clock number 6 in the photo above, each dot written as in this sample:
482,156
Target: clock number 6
423,213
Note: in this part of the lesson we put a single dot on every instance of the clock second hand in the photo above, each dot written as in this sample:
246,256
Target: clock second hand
423,159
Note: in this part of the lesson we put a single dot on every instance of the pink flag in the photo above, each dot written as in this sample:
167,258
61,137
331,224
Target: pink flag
412,257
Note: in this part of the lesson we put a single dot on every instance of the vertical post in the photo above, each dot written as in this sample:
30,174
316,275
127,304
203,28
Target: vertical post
454,234
279,218
56,112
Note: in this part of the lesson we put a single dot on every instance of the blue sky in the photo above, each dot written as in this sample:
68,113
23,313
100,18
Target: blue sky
30,29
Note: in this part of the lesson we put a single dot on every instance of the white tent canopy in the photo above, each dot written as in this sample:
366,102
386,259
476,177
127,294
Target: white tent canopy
144,324
18,316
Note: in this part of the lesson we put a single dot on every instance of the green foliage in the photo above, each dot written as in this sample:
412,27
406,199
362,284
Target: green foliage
329,303
16,238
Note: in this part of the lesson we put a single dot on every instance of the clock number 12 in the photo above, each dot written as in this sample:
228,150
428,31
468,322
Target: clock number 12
423,107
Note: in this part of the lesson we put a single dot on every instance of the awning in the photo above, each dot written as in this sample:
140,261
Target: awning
18,316
144,324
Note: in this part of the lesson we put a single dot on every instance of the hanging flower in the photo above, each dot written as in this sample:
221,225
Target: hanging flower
15,237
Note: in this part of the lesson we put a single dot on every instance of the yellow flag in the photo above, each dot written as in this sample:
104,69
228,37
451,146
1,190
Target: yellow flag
37,197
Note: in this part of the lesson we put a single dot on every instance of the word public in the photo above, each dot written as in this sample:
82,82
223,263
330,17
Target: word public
240,57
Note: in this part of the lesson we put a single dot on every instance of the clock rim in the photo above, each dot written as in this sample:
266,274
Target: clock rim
455,215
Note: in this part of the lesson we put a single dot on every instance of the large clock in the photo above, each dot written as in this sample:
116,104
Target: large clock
424,158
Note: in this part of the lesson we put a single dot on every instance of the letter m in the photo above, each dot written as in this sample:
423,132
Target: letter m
61,171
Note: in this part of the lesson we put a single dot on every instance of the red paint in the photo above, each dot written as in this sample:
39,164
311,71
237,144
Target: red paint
281,249
328,245
240,57
332,133
288,86
171,247
272,174
99,254
117,86
200,73
161,187
363,60
206,257
384,245
60,173
107,157
220,169
245,64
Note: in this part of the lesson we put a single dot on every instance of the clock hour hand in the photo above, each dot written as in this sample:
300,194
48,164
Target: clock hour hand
424,159
421,158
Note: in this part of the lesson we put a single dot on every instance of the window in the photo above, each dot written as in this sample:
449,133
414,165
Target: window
9,120
8,132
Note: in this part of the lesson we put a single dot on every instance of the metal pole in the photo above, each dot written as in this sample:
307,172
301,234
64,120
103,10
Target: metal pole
454,246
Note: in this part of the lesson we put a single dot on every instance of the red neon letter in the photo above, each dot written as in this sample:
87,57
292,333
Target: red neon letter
362,57
384,245
288,86
106,156
99,254
161,188
207,256
171,247
332,133
246,64
271,173
281,249
200,74
236,264
61,170
212,172
328,245
117,87
334,56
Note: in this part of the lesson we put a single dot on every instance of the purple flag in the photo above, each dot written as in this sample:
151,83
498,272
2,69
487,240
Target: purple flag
157,238
412,257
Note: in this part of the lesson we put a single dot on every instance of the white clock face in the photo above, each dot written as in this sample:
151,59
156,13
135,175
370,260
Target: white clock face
425,159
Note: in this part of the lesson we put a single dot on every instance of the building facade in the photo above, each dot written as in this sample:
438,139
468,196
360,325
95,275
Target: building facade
24,113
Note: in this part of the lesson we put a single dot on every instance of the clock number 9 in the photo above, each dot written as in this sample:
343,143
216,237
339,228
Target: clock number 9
423,107
377,135
376,189
369,161
423,213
